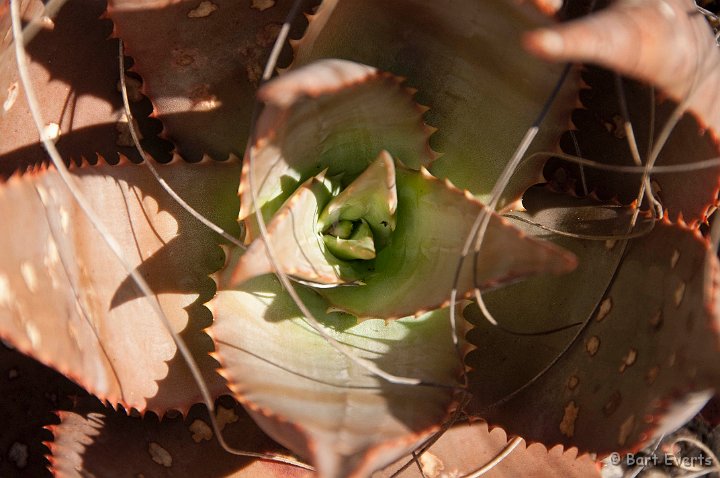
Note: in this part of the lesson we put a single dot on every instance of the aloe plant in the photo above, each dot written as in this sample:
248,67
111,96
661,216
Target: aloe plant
434,220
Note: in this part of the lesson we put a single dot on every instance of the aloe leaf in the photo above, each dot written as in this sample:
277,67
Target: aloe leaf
78,98
679,53
651,342
201,63
312,235
31,393
541,304
92,323
315,401
469,66
334,115
599,136
358,245
467,448
95,441
415,272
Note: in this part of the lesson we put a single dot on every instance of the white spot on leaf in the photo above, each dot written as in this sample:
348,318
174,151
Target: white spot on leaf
64,219
52,254
50,261
628,360
203,10
33,335
262,4
567,425
201,431
605,308
27,271
5,293
431,465
160,455
52,132
225,416
42,192
679,294
12,93
592,345
674,259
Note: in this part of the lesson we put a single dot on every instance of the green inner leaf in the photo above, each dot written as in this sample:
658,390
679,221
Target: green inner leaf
358,245
341,229
415,271
372,197
334,115
296,241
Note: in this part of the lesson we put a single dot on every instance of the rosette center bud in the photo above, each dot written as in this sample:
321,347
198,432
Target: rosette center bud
358,222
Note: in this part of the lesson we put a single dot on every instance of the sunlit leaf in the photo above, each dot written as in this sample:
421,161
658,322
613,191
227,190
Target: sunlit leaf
65,299
315,401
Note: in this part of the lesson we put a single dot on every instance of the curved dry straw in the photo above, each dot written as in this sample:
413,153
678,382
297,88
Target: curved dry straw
82,202
153,170
645,170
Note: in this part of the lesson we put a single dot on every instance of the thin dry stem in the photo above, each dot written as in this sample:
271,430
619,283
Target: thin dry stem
502,454
147,161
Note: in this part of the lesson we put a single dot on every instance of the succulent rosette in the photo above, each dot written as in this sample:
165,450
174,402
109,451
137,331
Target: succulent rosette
340,173
370,158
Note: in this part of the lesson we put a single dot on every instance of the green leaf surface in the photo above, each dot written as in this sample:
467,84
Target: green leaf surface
469,66
296,241
371,197
358,245
415,272
333,115
314,400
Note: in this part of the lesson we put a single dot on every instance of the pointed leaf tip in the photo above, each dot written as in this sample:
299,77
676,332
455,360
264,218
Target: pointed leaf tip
325,77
